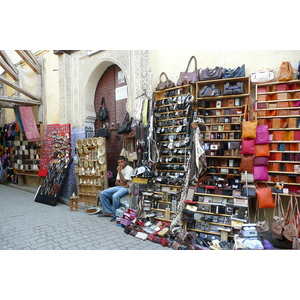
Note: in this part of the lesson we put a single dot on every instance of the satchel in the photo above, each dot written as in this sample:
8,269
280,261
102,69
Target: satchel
249,129
237,72
249,190
262,134
209,91
290,230
126,126
102,132
189,77
102,114
211,74
286,71
260,173
265,197
167,84
262,76
233,88
278,220
247,163
261,226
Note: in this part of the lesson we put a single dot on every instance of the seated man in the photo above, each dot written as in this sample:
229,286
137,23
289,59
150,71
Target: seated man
122,188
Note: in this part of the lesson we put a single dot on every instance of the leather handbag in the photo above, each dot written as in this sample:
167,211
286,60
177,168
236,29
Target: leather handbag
102,132
247,177
102,114
262,150
286,71
189,77
209,91
290,229
261,161
126,126
260,173
237,72
249,129
248,146
162,85
211,74
265,197
248,190
278,220
233,88
262,134
261,226
262,76
247,164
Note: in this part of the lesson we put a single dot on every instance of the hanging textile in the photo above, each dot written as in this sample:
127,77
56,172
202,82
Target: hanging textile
29,124
18,118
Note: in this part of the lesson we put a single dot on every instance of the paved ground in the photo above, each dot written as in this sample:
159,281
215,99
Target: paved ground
28,225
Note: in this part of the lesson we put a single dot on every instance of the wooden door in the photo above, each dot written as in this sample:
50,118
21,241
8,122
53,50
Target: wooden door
113,87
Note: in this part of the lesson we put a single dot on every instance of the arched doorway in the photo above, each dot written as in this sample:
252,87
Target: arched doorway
113,87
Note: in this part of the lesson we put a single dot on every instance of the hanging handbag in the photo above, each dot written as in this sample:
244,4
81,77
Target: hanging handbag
262,150
290,230
278,220
246,176
233,88
262,134
126,126
132,133
249,129
102,132
209,91
261,226
262,76
231,73
260,173
248,146
247,163
167,84
211,74
189,77
264,197
102,114
261,161
286,71
248,190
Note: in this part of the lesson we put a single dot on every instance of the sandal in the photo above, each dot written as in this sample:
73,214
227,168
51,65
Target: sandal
105,215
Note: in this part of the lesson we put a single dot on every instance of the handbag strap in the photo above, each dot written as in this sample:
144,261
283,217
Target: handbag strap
278,205
289,211
193,57
163,73
103,102
212,72
256,216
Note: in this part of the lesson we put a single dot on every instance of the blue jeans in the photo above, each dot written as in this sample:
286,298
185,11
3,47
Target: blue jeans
115,193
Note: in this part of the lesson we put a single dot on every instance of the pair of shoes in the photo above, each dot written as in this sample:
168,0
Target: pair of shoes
105,215
113,219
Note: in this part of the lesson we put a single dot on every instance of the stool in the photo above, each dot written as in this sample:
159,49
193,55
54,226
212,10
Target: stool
73,203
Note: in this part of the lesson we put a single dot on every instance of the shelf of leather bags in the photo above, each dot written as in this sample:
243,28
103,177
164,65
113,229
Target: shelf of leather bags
90,169
27,154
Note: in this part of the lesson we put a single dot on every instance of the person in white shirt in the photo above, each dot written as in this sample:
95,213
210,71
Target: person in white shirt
123,187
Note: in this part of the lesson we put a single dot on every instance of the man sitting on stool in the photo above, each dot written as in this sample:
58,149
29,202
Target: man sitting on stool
122,188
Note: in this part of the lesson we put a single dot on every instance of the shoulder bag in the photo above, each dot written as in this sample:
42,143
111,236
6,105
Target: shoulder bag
189,77
290,230
237,72
102,132
102,114
286,71
126,126
278,219
162,85
261,173
211,74
249,129
262,76
262,134
209,91
261,226
233,88
264,197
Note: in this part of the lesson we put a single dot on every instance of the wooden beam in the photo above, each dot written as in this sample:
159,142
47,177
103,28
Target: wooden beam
8,61
8,69
17,88
33,57
29,61
17,100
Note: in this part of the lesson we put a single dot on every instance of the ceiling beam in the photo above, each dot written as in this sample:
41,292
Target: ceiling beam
32,56
19,89
8,61
36,68
8,69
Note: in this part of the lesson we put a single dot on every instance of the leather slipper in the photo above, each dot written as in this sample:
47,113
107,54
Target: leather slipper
105,215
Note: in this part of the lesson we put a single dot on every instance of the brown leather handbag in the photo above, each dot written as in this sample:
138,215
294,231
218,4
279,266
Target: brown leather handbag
249,129
189,77
286,71
167,84
247,163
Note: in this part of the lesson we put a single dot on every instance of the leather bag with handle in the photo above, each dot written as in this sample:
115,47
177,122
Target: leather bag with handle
249,129
290,230
262,134
211,74
167,84
209,91
248,190
262,76
278,220
189,77
261,226
126,126
286,71
265,197
102,114
247,163
231,73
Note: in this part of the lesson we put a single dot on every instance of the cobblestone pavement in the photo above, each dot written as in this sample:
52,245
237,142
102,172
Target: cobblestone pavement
28,225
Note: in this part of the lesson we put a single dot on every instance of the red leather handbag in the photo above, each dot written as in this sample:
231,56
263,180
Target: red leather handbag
265,197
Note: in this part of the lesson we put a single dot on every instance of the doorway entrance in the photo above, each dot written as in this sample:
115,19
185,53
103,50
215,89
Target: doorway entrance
113,87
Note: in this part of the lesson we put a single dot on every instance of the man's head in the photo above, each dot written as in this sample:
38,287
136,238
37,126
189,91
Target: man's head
122,161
